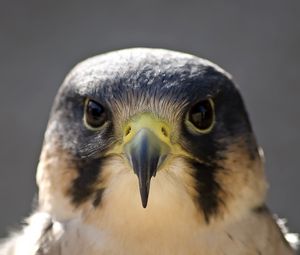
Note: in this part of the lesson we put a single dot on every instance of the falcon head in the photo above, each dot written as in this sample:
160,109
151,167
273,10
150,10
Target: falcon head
149,133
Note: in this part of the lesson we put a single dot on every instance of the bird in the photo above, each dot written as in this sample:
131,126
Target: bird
150,152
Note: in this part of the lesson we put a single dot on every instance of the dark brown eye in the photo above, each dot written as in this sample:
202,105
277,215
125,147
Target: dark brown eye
94,114
202,115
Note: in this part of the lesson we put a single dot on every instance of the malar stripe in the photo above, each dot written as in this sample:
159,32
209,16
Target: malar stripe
208,189
88,175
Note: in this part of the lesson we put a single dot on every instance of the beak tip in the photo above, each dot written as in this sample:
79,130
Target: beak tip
144,197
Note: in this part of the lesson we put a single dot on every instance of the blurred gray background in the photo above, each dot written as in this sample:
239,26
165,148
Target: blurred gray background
257,41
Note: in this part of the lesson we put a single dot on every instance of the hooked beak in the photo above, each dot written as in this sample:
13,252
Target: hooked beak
146,152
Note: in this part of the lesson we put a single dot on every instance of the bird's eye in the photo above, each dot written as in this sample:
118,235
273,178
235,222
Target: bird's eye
94,114
202,115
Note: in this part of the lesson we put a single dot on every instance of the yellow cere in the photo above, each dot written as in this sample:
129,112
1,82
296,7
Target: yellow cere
157,126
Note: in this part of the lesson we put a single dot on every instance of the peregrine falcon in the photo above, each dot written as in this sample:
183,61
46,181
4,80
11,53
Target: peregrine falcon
150,152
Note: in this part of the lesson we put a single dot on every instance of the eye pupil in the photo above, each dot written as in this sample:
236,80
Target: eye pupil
202,115
95,115
94,110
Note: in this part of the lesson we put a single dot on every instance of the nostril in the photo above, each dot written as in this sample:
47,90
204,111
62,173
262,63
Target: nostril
127,131
164,131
